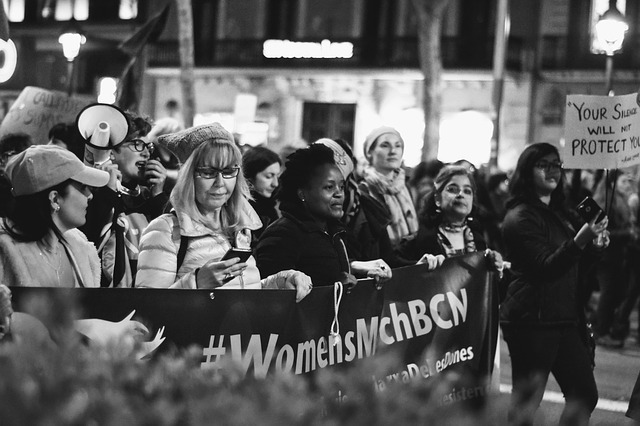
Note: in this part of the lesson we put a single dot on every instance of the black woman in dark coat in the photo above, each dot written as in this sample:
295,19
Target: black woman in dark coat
309,235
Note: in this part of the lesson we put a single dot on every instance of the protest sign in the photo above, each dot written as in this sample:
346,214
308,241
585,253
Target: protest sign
37,110
435,321
601,132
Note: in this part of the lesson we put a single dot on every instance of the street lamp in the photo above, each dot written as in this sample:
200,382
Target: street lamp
71,39
610,30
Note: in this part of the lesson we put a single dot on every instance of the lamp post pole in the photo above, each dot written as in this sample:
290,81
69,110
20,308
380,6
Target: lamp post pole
608,75
71,40
70,67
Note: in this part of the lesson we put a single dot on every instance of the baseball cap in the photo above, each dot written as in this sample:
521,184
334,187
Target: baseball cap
42,166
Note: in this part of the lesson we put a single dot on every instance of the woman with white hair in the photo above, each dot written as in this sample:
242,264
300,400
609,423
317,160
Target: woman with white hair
212,214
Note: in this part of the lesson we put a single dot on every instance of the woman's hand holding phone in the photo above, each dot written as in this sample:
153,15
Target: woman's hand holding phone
216,273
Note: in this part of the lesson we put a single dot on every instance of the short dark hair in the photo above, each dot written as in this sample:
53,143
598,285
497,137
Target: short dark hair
300,168
70,135
256,159
15,142
139,125
429,168
521,185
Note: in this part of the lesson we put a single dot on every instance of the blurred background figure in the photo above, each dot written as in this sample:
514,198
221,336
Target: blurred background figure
160,127
384,182
67,136
10,146
261,167
613,269
421,182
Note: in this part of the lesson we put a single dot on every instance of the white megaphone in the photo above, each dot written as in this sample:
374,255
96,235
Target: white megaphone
103,127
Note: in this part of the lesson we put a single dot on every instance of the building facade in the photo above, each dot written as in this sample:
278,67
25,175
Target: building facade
287,72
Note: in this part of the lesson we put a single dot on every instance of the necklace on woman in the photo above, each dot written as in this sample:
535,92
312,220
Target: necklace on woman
452,227
55,253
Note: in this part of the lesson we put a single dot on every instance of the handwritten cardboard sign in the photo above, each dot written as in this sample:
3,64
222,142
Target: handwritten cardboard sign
601,132
37,110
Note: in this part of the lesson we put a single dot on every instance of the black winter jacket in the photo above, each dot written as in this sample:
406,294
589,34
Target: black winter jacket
300,244
544,266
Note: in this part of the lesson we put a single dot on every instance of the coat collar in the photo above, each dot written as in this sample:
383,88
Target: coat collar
191,227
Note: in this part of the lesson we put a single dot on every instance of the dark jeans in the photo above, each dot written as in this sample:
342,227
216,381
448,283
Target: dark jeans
535,352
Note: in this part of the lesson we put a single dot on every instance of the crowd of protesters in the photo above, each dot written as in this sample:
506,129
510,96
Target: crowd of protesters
170,202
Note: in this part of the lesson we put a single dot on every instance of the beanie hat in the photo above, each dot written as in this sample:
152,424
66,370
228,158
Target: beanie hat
184,142
370,140
42,166
340,156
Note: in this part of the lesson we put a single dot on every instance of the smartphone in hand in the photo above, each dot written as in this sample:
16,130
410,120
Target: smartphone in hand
588,209
243,254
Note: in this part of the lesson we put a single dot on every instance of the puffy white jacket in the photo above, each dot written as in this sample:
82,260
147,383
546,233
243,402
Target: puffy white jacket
160,242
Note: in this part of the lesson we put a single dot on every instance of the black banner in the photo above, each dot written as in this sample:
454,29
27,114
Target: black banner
437,321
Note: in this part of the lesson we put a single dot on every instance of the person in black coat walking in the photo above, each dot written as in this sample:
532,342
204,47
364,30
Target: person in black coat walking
541,316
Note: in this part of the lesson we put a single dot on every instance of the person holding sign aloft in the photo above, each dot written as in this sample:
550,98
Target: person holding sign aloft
540,316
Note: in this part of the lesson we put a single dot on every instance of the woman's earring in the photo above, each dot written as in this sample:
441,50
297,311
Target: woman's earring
438,208
56,208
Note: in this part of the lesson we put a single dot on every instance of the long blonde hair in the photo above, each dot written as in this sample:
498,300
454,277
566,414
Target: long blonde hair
214,153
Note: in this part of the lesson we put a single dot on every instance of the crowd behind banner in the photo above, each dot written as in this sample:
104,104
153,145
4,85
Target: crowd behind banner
115,199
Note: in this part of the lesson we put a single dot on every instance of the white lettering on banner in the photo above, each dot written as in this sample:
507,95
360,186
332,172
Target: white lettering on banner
601,132
445,311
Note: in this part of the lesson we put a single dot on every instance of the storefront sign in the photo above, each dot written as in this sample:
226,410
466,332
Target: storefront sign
302,49
601,132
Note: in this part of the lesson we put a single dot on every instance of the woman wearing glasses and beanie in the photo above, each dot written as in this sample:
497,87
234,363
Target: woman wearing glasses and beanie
40,245
540,316
184,248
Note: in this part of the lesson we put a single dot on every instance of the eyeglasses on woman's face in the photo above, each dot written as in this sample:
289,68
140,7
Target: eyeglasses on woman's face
455,190
138,145
548,166
212,172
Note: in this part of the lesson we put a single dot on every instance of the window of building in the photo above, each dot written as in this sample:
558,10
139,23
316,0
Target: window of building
241,19
406,24
128,9
14,10
330,19
80,10
65,10
321,120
